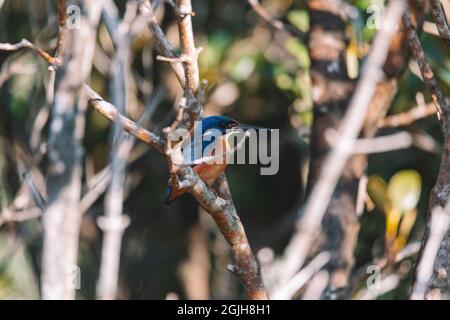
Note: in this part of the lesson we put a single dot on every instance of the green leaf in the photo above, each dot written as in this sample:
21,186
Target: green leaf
299,18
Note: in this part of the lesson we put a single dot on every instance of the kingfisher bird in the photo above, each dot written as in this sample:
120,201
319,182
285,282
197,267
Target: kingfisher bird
214,132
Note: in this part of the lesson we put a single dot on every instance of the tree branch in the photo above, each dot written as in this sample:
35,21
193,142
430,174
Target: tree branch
427,74
440,195
24,43
275,23
62,219
110,112
441,22
183,10
407,117
440,224
163,44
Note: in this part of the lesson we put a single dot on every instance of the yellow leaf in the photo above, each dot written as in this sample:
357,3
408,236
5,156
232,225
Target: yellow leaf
404,190
376,189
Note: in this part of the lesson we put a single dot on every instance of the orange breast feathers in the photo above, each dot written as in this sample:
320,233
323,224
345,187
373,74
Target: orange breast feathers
210,170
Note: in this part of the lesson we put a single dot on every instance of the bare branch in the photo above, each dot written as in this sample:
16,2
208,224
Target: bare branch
427,74
164,45
302,277
441,22
440,224
114,222
98,183
276,24
316,286
183,10
396,141
61,219
9,215
224,214
34,191
24,43
407,117
110,112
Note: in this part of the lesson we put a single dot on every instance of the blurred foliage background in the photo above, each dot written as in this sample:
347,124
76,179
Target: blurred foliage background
256,75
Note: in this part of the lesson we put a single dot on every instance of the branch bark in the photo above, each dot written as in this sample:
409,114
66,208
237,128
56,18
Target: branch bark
183,10
441,22
61,219
163,44
439,225
114,222
440,195
110,112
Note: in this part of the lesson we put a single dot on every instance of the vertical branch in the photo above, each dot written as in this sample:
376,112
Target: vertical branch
61,219
183,10
440,195
163,44
439,225
62,16
223,211
427,74
114,222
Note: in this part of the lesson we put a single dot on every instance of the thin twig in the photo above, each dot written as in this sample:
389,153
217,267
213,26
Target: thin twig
407,117
275,23
427,74
34,191
9,215
164,45
387,283
302,277
316,286
98,183
395,141
441,22
24,43
110,112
